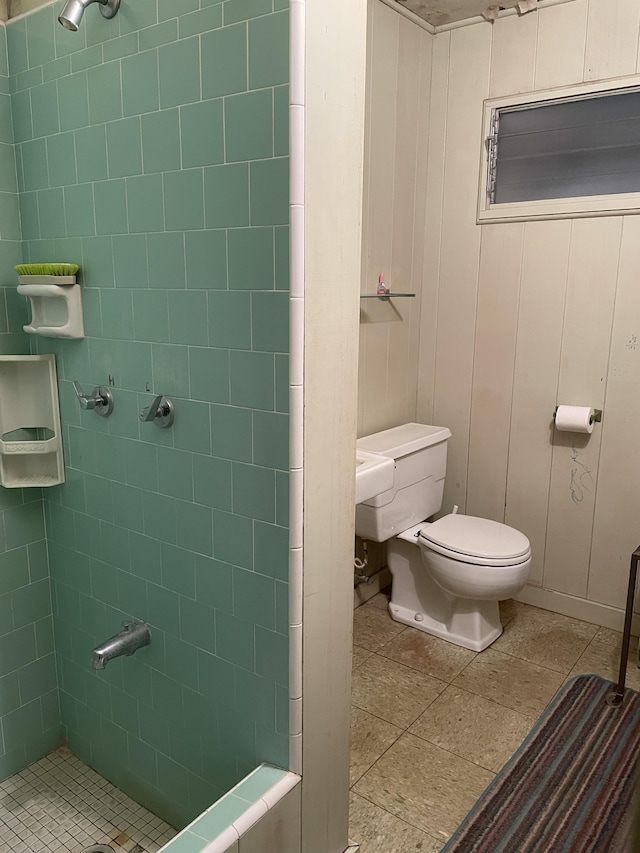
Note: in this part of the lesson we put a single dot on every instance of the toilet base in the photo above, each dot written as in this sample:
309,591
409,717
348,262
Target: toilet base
417,600
472,624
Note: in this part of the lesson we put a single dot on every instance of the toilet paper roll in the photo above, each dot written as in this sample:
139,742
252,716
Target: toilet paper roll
574,419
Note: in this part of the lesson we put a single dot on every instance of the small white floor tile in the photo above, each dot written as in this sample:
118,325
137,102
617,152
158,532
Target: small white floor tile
59,805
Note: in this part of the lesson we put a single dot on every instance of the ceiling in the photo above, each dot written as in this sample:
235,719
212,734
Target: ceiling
439,12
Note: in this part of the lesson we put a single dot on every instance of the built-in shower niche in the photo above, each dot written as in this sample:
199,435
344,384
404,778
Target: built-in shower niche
30,436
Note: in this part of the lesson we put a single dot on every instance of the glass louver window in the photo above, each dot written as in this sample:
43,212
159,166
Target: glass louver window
569,149
556,154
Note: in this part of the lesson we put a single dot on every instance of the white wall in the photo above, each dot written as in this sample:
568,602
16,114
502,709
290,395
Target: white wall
396,138
519,317
330,193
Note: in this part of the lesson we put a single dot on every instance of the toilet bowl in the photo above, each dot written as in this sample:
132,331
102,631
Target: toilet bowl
453,592
447,576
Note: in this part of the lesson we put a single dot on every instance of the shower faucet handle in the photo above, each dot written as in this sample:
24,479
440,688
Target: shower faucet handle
160,412
101,399
150,412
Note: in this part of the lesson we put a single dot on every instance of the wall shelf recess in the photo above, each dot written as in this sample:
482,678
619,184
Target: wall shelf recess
30,437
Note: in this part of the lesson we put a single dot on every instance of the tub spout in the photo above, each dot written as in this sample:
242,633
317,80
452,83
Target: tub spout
133,636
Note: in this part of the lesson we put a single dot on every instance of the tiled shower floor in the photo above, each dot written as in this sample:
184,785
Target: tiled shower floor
60,805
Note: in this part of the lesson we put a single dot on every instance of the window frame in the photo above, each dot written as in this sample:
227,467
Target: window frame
614,204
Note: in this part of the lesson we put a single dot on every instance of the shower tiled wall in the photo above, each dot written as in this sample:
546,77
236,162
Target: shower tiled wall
29,711
152,150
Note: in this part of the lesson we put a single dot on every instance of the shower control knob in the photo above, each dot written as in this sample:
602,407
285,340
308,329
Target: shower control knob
160,412
101,399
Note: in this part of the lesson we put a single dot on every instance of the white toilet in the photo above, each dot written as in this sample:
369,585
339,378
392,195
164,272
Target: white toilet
448,576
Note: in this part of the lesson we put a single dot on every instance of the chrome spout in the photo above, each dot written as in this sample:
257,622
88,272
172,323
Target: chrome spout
134,636
73,11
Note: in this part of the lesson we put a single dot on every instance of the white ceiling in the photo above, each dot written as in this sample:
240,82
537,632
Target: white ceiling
439,12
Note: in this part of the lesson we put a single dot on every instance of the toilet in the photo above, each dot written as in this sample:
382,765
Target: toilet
448,575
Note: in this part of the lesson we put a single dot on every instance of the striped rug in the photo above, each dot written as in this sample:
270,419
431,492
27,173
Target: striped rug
569,788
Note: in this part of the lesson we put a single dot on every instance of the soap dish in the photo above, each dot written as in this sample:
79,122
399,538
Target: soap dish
56,305
46,279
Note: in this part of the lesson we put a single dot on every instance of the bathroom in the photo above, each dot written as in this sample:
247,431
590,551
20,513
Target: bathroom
491,294
509,319
488,463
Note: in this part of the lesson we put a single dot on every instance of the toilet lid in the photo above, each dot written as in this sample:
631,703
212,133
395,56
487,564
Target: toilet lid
476,537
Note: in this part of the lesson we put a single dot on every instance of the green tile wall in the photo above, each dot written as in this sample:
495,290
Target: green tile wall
230,810
29,709
143,147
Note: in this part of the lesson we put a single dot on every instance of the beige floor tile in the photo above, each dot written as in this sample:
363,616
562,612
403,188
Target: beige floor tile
393,692
426,786
359,656
377,831
602,657
518,684
548,639
370,738
381,600
430,655
372,627
473,727
508,610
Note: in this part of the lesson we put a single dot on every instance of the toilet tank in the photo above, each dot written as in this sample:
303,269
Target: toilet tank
420,454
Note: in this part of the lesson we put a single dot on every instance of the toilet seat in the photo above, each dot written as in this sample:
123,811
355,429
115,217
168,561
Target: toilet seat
480,541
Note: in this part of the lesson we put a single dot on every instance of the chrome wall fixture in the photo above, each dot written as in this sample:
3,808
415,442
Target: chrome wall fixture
101,399
160,412
73,11
134,636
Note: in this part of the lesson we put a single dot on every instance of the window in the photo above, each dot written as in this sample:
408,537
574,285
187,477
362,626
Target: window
571,154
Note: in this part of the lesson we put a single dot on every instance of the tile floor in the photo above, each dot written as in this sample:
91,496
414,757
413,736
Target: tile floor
59,805
432,723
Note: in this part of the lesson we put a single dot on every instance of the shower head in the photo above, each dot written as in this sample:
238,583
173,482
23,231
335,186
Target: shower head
73,11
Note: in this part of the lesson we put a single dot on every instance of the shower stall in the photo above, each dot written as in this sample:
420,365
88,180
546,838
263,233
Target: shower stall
151,149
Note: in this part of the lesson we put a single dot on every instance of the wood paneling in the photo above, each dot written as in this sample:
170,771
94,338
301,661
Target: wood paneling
513,55
616,531
560,45
402,371
586,335
459,250
419,223
433,226
491,401
612,39
543,286
381,153
393,216
379,156
534,315
514,318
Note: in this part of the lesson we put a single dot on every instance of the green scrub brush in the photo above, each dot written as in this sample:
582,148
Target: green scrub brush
47,269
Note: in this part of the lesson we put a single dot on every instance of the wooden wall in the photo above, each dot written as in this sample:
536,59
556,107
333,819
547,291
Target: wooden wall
511,319
395,171
519,317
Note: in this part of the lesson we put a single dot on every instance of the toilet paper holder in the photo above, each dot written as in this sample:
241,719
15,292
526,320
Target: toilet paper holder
596,417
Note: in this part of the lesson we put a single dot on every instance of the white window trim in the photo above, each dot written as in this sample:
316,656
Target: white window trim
553,208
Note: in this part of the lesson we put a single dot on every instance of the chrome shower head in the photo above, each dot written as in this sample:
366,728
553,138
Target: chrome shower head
73,11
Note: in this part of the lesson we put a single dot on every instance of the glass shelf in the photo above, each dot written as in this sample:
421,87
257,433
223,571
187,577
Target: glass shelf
388,295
